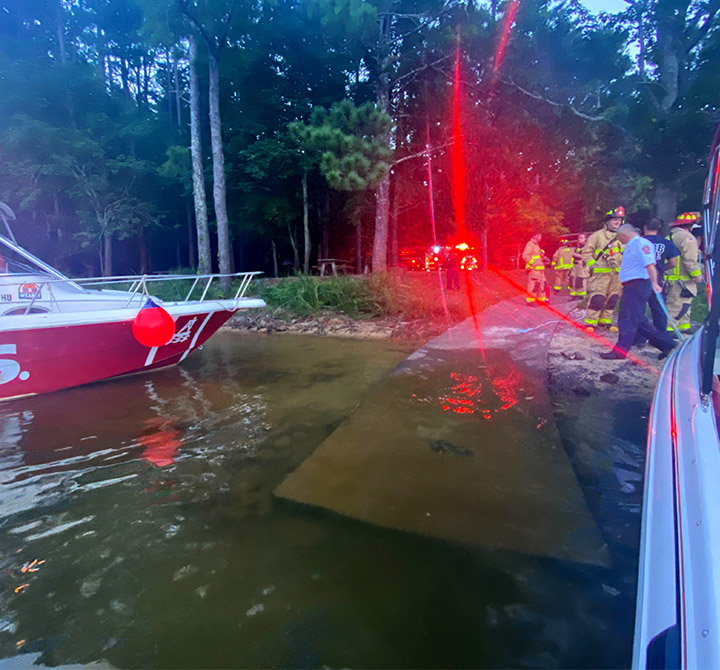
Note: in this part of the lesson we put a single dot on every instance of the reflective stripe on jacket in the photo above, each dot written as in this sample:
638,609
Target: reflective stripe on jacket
688,265
533,256
602,252
562,259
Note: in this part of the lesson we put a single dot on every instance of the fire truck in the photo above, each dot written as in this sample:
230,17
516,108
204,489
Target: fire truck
438,256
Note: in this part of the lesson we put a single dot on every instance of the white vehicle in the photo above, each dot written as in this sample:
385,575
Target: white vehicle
678,600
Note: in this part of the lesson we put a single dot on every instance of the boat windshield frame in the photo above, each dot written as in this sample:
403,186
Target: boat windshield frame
16,248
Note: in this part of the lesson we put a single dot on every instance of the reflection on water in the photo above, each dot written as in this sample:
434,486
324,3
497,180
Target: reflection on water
138,529
160,439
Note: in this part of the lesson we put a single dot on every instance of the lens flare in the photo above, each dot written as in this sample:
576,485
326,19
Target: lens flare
508,22
459,187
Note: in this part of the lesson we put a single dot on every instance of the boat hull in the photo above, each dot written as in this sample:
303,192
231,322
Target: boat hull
52,352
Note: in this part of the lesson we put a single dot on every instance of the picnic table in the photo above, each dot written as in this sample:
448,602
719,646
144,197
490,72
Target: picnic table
333,264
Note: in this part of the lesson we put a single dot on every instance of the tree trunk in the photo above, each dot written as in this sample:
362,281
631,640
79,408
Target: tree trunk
358,243
218,159
102,56
63,60
380,240
199,197
665,202
484,247
107,269
394,252
275,259
142,248
125,78
306,225
191,242
178,107
168,84
146,81
324,218
61,33
382,204
138,87
669,24
293,244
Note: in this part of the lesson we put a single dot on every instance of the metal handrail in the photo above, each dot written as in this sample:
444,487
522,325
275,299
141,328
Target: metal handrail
158,277
139,285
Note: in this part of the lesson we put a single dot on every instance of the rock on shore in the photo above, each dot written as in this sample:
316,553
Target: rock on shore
338,325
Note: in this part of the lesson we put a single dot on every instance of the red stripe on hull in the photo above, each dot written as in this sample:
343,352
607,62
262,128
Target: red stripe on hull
42,360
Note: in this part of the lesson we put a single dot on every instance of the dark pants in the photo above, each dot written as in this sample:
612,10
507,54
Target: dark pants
632,320
659,319
452,277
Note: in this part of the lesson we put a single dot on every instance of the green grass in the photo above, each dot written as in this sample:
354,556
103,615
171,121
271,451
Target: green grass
408,296
303,296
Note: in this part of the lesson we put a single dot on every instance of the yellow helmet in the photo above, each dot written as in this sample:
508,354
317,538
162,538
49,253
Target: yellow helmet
686,219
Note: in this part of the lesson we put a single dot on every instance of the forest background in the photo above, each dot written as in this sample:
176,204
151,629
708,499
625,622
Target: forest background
142,135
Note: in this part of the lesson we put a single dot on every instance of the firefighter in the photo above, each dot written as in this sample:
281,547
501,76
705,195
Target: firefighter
534,258
686,275
579,272
603,253
562,262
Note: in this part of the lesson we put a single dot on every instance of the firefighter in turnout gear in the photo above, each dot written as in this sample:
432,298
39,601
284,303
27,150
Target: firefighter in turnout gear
602,254
686,275
562,262
534,258
579,272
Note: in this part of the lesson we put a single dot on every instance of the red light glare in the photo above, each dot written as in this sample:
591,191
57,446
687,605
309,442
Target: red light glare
502,44
459,181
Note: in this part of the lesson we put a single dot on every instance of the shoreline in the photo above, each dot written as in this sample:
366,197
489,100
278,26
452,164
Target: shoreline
575,369
333,324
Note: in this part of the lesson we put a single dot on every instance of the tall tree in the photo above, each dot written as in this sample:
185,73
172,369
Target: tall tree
198,175
350,142
213,20
383,29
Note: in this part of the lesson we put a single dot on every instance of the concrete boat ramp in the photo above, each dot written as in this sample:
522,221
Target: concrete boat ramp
459,444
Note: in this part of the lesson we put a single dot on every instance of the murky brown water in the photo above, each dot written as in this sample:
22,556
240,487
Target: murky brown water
141,512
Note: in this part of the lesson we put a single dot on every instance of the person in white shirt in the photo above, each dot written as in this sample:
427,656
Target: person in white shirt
639,279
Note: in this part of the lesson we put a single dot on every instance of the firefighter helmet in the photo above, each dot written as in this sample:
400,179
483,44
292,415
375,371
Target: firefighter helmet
617,213
686,219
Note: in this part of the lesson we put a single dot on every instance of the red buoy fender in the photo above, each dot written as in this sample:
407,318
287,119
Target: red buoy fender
153,326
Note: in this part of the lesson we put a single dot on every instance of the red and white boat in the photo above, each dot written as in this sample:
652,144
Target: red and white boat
57,332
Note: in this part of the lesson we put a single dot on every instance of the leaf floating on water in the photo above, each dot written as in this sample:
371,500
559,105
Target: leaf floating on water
34,566
445,447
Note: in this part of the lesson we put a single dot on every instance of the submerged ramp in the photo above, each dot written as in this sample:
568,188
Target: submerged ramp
459,443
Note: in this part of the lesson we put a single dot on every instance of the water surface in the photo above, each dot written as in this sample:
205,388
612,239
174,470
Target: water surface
141,511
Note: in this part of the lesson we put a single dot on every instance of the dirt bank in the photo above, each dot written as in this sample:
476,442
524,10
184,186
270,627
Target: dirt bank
339,325
420,308
577,371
